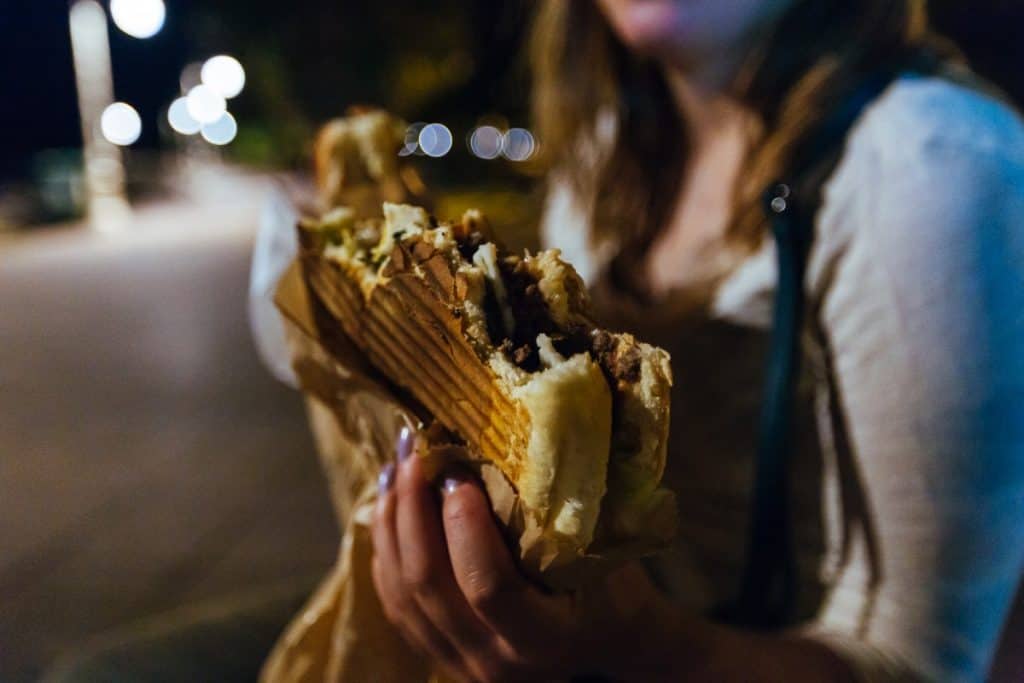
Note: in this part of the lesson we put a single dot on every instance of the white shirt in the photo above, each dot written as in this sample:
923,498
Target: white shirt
908,483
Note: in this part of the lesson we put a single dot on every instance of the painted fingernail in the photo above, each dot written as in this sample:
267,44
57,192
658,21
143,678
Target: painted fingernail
453,479
386,478
450,484
405,443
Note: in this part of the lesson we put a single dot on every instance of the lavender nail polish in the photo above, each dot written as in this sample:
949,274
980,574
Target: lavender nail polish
405,443
386,478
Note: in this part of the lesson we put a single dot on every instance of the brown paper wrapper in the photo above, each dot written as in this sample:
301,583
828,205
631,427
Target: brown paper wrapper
341,634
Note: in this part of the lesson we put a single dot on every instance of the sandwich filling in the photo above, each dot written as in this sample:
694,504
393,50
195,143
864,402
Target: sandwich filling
592,396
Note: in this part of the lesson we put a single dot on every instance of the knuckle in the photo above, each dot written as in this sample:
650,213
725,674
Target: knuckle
420,578
400,604
394,602
487,593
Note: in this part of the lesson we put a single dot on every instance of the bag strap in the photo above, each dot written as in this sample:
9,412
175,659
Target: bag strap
768,588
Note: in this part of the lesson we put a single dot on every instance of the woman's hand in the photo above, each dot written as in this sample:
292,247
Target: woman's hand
450,585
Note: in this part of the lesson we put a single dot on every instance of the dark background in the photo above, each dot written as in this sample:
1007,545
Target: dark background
307,61
148,462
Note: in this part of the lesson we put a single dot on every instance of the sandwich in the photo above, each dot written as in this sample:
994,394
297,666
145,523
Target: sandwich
500,350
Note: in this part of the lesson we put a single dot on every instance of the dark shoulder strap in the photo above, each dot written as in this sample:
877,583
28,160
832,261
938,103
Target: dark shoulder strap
768,586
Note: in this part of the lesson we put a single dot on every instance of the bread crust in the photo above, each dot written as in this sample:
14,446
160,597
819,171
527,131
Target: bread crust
550,431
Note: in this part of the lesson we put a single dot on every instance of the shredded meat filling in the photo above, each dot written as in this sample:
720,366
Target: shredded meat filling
620,364
531,313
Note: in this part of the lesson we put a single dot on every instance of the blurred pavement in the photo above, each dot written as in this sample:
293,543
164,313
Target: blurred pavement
147,460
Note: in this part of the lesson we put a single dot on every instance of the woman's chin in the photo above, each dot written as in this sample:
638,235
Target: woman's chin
653,28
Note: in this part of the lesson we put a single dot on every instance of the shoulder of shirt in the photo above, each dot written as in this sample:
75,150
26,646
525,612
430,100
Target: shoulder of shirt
924,117
922,136
922,127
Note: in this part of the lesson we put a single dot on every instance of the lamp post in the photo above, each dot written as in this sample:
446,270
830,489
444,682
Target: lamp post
107,207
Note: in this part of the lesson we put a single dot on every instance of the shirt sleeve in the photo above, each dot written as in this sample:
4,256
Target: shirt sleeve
923,320
275,247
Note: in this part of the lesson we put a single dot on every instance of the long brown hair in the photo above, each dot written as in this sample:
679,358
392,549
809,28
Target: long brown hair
581,68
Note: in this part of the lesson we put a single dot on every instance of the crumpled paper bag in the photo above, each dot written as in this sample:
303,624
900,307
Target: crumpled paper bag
342,634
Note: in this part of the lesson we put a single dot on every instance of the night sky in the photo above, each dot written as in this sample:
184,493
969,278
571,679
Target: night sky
38,108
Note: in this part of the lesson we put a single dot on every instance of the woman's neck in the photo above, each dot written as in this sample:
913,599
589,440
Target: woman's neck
689,250
708,112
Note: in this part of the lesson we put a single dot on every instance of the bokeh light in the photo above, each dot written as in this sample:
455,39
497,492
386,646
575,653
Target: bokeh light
138,18
121,124
224,74
519,144
205,104
435,140
486,142
180,119
222,131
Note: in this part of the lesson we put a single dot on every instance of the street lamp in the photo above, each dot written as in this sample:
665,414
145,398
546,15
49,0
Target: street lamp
108,209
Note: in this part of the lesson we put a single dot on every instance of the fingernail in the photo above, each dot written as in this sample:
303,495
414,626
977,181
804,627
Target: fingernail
453,478
386,478
450,484
405,443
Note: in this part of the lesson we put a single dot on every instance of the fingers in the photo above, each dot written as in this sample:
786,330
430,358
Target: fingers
484,568
449,584
414,578
426,568
399,605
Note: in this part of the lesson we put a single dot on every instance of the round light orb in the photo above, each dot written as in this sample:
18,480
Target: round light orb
519,144
225,75
205,104
435,140
121,124
222,131
179,118
138,18
486,142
